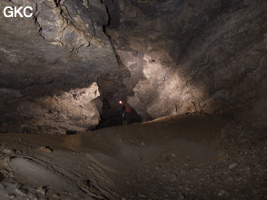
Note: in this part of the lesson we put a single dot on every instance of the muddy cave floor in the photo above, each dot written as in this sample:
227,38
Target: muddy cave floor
188,157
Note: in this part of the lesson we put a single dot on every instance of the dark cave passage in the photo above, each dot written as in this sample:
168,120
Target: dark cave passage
163,58
113,117
187,77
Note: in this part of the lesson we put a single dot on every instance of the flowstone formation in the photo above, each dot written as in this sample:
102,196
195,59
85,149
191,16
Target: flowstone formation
61,49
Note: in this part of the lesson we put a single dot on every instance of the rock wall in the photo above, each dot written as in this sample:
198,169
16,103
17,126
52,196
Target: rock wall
207,56
59,51
162,57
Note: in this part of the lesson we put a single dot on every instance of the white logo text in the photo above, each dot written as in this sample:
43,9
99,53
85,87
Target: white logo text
20,12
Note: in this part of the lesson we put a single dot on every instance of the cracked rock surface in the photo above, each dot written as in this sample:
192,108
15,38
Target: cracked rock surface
61,49
161,57
207,56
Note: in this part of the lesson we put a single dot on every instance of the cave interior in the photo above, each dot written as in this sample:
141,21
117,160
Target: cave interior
197,68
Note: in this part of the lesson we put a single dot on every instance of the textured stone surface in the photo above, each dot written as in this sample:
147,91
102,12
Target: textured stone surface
61,48
207,56
162,57
69,112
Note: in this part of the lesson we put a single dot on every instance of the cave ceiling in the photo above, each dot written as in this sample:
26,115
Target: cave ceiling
163,57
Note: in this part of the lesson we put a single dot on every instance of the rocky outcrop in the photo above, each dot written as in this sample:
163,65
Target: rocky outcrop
69,112
204,56
164,57
60,50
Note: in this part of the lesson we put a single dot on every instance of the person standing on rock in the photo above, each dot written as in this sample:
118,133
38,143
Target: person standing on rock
125,112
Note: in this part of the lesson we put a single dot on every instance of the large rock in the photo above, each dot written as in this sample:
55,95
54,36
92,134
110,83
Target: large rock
68,112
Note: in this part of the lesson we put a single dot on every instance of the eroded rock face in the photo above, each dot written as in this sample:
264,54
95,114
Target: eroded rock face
207,56
68,112
175,57
60,49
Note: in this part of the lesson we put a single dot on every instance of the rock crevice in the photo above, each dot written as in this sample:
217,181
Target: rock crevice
161,57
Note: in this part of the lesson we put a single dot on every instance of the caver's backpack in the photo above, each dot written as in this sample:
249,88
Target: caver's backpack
127,109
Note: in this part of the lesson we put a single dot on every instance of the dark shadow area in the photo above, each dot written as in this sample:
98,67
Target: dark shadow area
113,117
160,8
113,12
1,177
